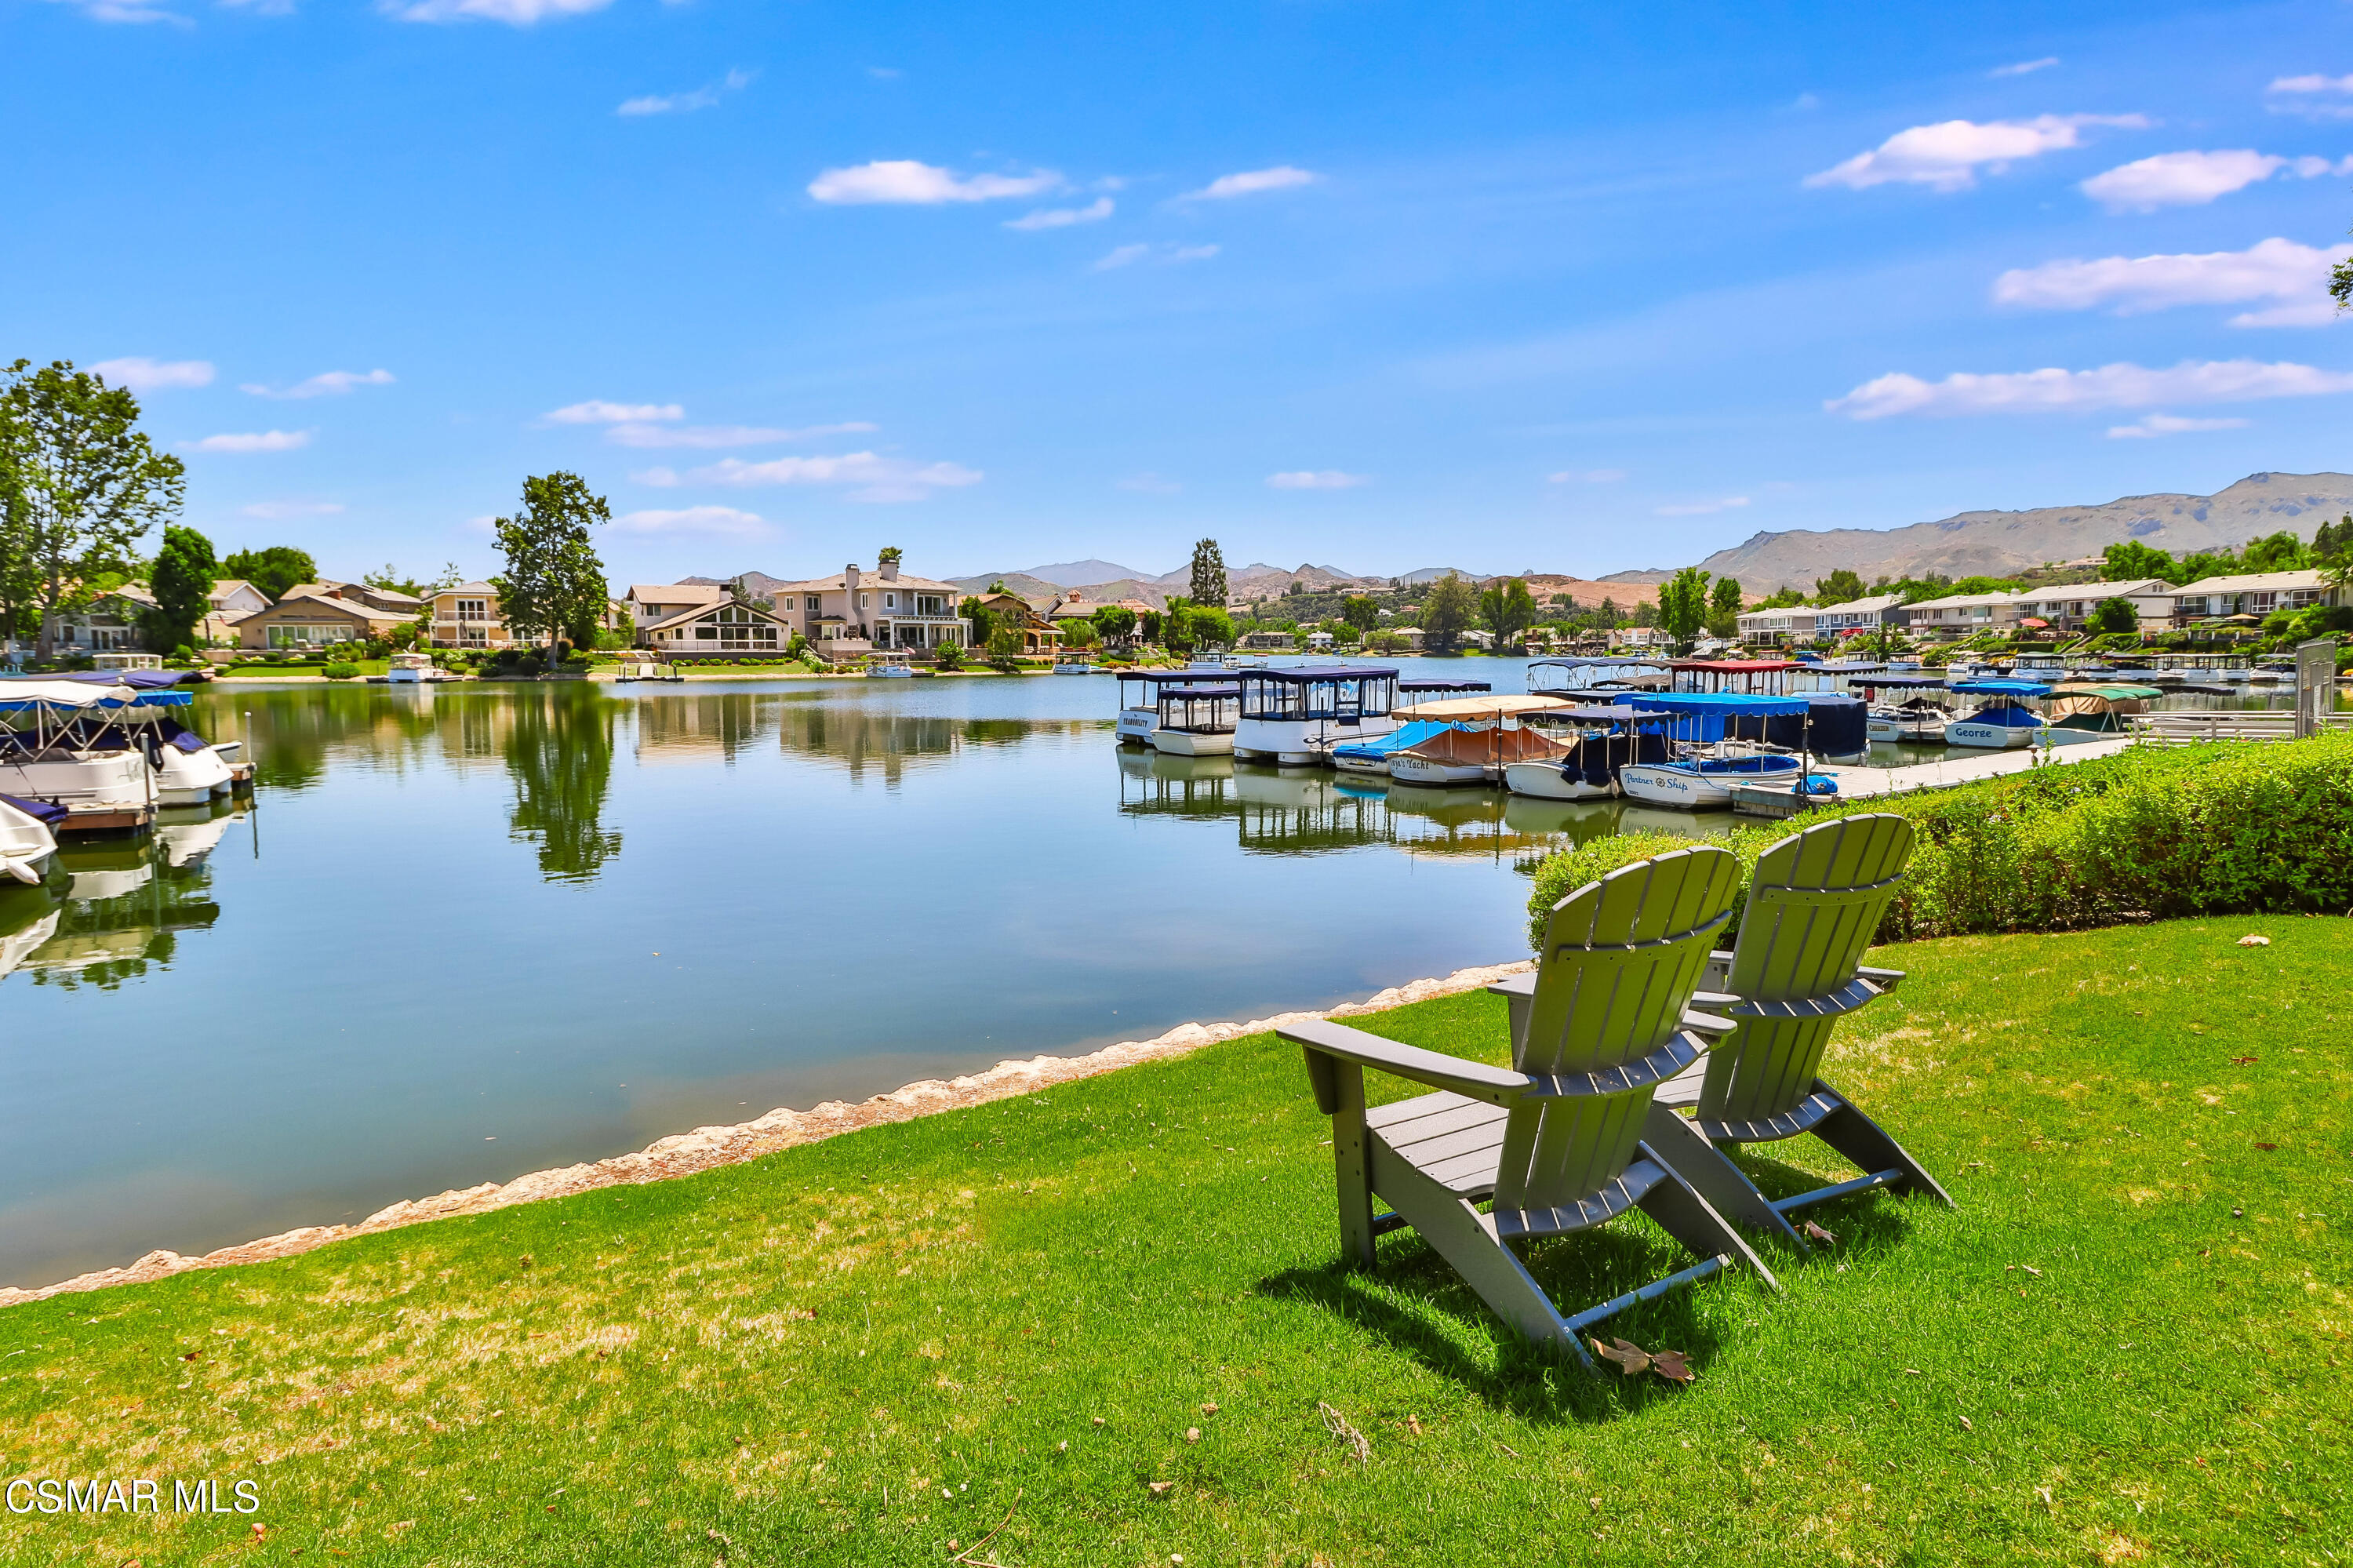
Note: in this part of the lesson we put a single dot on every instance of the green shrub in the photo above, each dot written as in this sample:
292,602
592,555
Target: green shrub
2252,826
340,670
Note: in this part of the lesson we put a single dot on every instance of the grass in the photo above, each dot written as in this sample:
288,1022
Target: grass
2126,1344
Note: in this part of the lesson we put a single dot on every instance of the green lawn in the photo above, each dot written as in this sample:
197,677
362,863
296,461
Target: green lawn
2126,1344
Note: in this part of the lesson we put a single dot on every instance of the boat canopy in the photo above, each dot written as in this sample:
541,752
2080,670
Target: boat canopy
1902,683
1344,693
1403,737
1740,705
1735,666
1302,674
2107,691
1600,661
1198,694
1487,748
1597,713
1473,709
137,680
2002,688
1442,684
48,813
22,696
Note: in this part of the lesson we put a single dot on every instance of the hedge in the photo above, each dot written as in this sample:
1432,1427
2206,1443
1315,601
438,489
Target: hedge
2147,833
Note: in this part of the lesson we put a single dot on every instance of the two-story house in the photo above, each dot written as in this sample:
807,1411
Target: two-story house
651,602
1011,613
1962,615
2258,593
467,615
315,615
2067,606
854,613
729,625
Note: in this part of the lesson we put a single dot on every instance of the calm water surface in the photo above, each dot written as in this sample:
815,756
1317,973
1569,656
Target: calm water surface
478,930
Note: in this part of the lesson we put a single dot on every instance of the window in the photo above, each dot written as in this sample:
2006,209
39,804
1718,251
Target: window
735,629
474,609
890,602
864,599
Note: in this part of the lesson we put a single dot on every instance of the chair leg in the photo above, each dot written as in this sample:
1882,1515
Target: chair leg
1348,1162
1682,1149
1861,1141
1692,1220
1456,1232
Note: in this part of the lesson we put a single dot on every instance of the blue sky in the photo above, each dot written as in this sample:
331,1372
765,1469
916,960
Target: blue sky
1373,284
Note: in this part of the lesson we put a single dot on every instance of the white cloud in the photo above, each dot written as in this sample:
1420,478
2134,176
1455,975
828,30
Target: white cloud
1946,157
2276,270
143,375
1281,177
127,11
1150,484
1316,478
286,511
1063,217
2316,97
2150,425
1169,255
252,441
2121,386
647,436
686,102
2192,179
1701,508
692,520
515,13
327,384
2025,68
902,181
877,478
1587,476
596,411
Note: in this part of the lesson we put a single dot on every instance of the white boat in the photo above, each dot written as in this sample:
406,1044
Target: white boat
1372,757
1718,733
1917,720
409,669
1195,719
61,746
27,843
1705,783
1295,716
889,664
2002,721
1462,754
1074,667
1607,738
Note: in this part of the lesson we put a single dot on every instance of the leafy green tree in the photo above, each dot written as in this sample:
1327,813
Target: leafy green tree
554,587
80,481
1605,614
1177,624
1841,587
1508,608
1683,607
1209,624
1078,632
1725,598
2200,565
271,570
2115,615
2280,552
181,579
2129,561
982,619
1446,611
1113,621
389,581
1207,583
889,555
2332,540
1782,599
1359,611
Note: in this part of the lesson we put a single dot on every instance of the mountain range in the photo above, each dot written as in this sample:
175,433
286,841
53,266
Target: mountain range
1996,544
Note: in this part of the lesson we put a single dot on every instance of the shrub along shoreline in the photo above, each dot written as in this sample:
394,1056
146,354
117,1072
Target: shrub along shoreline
2149,834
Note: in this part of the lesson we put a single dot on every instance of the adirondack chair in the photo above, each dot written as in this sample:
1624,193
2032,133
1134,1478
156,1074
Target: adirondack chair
1813,904
1554,1144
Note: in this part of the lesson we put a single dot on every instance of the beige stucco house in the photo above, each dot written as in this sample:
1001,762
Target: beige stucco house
858,611
313,615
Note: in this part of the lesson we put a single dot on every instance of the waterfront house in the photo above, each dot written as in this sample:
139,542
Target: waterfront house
857,611
1859,615
2067,606
1963,615
1779,626
108,622
467,615
315,615
708,630
2258,593
648,603
1010,611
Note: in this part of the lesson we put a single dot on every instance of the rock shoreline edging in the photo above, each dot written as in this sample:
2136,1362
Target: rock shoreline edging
708,1147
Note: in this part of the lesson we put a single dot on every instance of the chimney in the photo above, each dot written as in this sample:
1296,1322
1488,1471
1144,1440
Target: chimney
888,569
849,579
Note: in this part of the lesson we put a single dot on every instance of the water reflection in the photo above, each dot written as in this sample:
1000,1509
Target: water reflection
1303,811
110,910
559,752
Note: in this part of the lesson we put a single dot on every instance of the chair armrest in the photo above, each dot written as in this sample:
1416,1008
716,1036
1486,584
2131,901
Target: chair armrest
1517,985
1719,968
1718,1000
1885,980
1708,1024
1475,1080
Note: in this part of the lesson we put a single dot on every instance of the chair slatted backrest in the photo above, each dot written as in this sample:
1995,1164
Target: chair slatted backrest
1814,903
1622,957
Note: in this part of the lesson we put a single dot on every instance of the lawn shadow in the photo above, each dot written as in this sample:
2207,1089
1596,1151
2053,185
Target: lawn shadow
1877,1216
1417,1303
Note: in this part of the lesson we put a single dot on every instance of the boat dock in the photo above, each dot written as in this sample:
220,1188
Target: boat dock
1860,781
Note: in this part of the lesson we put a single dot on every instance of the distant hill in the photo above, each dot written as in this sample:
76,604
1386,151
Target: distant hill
1079,574
1651,575
1998,543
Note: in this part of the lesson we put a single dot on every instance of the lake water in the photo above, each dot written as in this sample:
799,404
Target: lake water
469,932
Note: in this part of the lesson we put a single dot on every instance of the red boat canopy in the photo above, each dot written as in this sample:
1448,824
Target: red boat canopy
1736,666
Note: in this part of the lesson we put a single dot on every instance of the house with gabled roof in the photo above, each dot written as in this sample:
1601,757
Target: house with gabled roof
854,613
730,626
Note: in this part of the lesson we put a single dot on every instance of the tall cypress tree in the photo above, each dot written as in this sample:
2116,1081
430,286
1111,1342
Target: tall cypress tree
1208,584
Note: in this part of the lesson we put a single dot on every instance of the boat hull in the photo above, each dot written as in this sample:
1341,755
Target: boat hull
106,778
1300,742
1374,767
1432,772
1693,789
1135,726
1192,743
1900,728
1546,781
190,778
1989,736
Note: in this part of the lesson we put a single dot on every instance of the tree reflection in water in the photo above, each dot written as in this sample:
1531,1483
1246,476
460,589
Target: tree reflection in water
560,756
112,908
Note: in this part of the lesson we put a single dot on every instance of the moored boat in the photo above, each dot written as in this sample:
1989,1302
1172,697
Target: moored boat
1904,707
2003,721
28,840
1295,716
2100,706
1719,746
1195,719
1606,740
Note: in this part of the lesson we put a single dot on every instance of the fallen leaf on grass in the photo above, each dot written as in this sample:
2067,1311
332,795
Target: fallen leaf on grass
2242,1060
1965,1424
1672,1365
1210,1409
1413,1425
1159,1489
2252,940
1814,1232
1623,1354
1192,1435
2266,1146
2031,1269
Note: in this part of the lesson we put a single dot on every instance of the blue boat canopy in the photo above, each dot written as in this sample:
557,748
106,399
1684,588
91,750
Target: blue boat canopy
1725,704
1398,739
2003,688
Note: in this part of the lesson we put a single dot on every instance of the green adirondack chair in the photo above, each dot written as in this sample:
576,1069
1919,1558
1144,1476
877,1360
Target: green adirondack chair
1813,904
1554,1144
